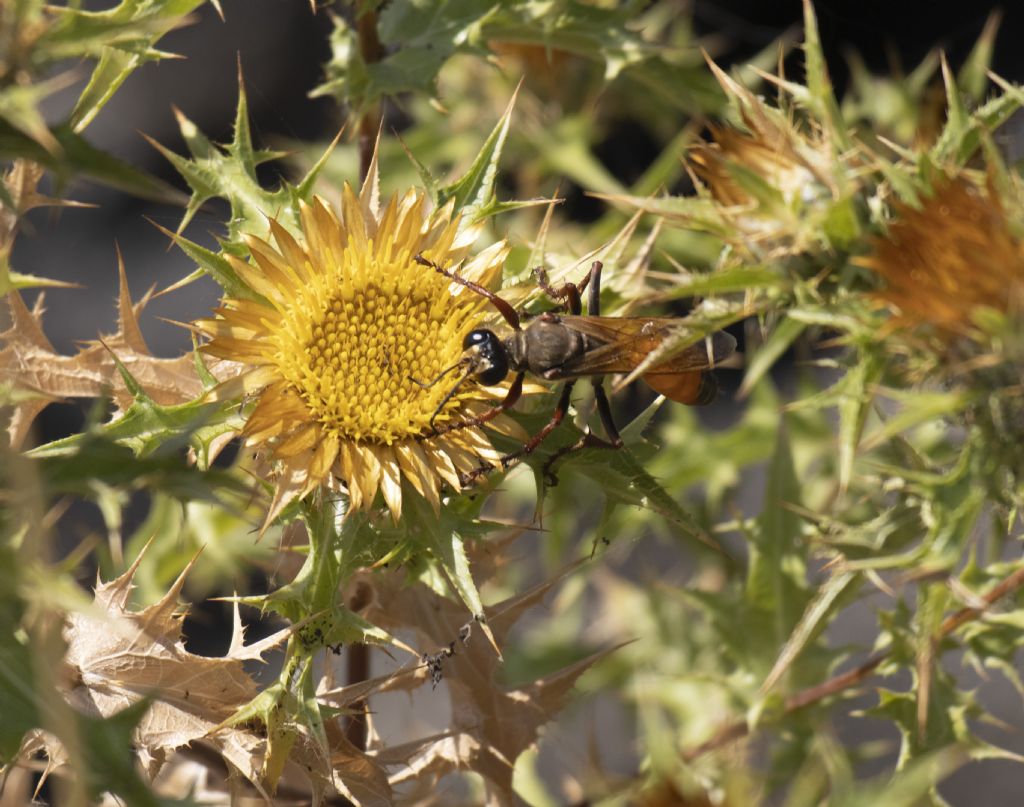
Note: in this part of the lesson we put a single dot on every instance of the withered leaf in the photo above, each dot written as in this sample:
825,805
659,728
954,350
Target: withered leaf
117,657
490,725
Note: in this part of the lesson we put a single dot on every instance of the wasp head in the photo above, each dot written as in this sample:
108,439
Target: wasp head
487,356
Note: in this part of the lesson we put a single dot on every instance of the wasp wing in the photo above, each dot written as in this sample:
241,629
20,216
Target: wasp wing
624,342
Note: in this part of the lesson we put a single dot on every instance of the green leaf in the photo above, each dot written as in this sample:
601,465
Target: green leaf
10,281
17,693
784,335
420,38
108,750
819,86
75,157
912,786
449,549
212,264
775,589
19,108
973,77
726,281
121,39
474,191
854,406
916,409
842,225
958,143
229,172
624,481
957,116
145,447
816,618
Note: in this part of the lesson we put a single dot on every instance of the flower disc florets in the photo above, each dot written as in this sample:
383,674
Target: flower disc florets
343,343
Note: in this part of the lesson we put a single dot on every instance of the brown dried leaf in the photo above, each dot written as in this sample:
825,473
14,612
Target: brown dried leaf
490,726
116,657
30,364
21,182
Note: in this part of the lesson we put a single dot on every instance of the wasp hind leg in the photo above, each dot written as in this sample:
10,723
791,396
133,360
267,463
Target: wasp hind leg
569,294
588,439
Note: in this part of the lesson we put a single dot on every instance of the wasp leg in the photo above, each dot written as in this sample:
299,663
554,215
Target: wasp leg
589,439
515,390
604,409
570,294
594,298
515,457
503,306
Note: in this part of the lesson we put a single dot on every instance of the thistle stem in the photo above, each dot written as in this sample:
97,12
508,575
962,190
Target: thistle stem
371,50
730,732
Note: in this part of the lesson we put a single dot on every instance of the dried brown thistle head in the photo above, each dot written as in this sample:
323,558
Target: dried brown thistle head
943,261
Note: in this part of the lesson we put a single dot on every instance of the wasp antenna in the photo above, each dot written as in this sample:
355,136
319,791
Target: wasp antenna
504,308
438,377
450,395
418,258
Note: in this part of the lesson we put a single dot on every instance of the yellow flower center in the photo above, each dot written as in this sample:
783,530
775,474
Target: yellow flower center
356,361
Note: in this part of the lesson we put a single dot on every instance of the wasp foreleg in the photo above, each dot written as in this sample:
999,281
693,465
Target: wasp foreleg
515,457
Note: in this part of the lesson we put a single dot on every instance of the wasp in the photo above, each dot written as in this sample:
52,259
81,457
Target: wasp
565,345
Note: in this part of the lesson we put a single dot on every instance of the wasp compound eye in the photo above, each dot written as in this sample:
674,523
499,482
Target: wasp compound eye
491,356
478,337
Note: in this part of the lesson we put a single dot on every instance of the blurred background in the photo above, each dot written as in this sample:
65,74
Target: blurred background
281,46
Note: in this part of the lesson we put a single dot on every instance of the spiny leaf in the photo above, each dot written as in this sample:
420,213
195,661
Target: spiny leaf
474,191
815,619
819,85
973,76
229,172
429,35
782,337
775,589
74,156
125,36
735,279
19,108
211,264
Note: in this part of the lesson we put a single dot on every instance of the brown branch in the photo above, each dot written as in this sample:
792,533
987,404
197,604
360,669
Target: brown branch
730,732
964,615
371,49
357,670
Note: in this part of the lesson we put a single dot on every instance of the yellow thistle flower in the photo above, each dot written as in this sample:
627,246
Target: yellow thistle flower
949,257
346,325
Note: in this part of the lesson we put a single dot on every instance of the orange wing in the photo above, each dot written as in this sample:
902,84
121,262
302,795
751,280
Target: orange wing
627,341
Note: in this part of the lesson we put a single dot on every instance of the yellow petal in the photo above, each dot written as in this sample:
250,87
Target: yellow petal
414,466
365,469
324,456
390,480
442,465
301,439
